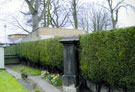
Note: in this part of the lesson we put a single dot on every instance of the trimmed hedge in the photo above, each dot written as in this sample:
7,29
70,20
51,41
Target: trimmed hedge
10,50
109,57
48,52
106,57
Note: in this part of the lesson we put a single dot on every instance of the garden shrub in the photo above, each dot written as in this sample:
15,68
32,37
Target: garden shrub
52,53
29,50
109,57
24,74
48,52
37,90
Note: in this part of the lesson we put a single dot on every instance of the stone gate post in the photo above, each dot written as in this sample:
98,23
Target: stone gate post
2,58
70,77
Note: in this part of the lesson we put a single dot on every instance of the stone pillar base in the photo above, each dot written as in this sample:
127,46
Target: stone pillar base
69,80
70,88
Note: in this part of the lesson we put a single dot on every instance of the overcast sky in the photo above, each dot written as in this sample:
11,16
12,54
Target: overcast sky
13,7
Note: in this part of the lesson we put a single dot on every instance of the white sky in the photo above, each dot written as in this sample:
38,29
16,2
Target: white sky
13,7
6,11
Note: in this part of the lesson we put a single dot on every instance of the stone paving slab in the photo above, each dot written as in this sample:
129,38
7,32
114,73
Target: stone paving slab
41,82
13,73
44,84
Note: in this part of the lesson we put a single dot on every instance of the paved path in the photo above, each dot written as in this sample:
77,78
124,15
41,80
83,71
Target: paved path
41,82
44,84
13,73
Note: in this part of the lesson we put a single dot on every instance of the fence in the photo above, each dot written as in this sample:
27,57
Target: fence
10,55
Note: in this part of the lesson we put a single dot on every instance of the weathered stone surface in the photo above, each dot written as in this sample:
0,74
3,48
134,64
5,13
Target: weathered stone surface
104,89
91,86
70,88
69,80
70,64
70,59
2,58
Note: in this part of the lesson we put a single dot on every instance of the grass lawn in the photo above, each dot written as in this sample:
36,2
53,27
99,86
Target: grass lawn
9,84
30,70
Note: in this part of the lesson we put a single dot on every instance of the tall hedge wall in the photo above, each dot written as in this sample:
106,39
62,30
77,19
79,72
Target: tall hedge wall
109,57
48,52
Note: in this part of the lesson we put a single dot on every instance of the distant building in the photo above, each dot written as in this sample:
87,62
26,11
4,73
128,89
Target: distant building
11,39
44,33
16,38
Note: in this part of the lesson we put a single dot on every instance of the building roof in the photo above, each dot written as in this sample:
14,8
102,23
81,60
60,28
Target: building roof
16,36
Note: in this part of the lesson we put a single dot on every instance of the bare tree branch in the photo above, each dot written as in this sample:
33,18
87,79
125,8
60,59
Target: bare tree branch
31,6
118,4
19,25
43,11
114,11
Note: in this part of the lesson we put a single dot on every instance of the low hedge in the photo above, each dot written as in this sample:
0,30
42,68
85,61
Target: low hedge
48,52
109,57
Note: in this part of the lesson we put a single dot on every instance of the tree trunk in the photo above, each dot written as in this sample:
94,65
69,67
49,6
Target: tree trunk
113,21
48,16
75,15
35,21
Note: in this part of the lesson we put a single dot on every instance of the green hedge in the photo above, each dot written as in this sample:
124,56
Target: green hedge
10,50
49,52
109,57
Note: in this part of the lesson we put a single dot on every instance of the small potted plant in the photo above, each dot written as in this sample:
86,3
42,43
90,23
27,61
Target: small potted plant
24,75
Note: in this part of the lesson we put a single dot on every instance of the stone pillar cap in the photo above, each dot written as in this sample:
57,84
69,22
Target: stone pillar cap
72,40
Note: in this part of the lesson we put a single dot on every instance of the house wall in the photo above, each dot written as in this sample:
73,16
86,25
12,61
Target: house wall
60,32
44,33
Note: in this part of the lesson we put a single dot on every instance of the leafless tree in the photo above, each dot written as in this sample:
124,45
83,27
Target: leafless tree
74,11
16,23
94,18
114,9
34,6
46,13
72,6
59,17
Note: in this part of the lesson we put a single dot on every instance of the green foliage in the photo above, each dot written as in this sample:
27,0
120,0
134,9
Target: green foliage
9,84
37,90
10,50
108,56
57,80
29,50
24,74
49,52
29,70
54,79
